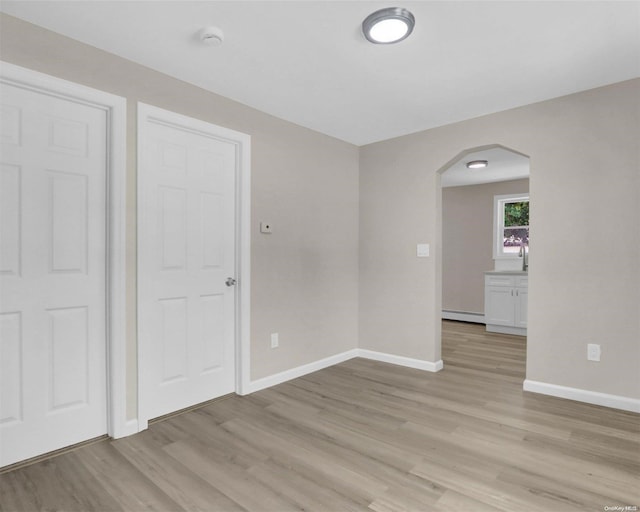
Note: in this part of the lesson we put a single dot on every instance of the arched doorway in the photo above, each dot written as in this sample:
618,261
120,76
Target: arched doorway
476,237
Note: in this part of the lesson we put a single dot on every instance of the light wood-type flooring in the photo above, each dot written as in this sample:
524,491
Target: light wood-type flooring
362,435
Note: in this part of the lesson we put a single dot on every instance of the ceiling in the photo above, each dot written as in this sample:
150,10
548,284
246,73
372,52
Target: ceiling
308,62
503,165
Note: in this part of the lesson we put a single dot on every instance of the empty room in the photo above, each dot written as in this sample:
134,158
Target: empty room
319,255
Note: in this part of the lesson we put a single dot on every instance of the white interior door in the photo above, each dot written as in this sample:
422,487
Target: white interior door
52,273
186,253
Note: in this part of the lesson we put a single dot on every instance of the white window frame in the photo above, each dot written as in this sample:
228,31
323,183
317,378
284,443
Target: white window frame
498,223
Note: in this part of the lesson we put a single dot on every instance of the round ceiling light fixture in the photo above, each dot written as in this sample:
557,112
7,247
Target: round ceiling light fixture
477,164
390,25
211,36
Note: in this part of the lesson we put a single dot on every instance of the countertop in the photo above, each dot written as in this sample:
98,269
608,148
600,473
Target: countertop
508,272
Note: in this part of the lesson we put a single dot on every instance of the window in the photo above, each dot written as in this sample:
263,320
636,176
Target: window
511,221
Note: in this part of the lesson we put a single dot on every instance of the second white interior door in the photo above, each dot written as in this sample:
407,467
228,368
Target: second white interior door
186,251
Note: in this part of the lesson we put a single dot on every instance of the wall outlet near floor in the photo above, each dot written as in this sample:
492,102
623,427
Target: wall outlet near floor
266,228
274,340
593,352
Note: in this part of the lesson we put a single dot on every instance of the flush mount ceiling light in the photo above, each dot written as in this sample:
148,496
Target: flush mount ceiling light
389,25
477,164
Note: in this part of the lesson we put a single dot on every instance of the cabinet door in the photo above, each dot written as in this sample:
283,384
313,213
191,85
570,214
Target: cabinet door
521,316
498,305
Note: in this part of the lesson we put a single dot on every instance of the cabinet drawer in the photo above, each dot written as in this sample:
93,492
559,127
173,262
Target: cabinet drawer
522,282
496,280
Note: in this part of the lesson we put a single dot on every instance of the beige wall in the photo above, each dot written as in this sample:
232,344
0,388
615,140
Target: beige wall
307,275
304,275
584,280
467,241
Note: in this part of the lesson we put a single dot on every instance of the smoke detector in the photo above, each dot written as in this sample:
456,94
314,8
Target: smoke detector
211,36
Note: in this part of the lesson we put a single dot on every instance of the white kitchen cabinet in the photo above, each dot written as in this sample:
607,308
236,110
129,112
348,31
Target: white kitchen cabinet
505,302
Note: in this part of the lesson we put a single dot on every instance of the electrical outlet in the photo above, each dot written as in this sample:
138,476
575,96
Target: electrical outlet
275,343
593,352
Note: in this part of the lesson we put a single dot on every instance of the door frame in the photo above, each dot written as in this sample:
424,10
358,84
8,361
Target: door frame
438,216
115,108
242,142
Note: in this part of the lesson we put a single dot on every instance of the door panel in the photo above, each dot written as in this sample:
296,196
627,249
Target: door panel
67,202
186,252
10,194
11,367
173,315
213,333
521,317
52,273
498,306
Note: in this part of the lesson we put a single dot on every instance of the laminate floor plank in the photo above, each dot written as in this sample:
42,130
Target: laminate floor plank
361,454
544,458
185,487
231,480
220,442
132,489
361,436
374,448
61,483
313,463
307,494
452,500
584,422
563,489
499,494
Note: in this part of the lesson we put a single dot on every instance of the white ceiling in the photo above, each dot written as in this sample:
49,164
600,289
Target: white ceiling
504,165
307,61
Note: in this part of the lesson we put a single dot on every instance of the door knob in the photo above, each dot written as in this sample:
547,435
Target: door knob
230,281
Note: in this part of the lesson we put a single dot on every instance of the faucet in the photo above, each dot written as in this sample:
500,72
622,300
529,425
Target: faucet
523,254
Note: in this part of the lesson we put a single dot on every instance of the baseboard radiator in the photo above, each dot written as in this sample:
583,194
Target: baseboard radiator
463,316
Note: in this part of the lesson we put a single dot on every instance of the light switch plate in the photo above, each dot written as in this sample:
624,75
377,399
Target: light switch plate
422,250
265,227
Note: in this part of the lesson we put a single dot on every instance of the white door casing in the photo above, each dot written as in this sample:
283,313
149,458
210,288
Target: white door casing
61,264
192,205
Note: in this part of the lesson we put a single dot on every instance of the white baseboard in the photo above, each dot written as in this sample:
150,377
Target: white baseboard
583,395
409,362
504,329
299,371
463,316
